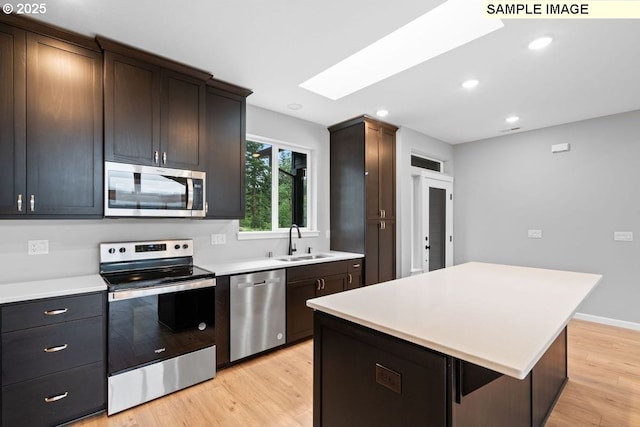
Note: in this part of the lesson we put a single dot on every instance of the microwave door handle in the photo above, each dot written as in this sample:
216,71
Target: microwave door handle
189,193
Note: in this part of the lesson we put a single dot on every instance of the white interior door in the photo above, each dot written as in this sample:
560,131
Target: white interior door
433,223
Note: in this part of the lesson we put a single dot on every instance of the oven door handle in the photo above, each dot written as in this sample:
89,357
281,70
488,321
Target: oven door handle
158,290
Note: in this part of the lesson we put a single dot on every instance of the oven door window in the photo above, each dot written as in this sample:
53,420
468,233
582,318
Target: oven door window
159,327
134,190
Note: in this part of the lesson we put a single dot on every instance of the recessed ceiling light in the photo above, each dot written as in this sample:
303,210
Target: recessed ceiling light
512,119
382,113
444,28
294,106
470,84
540,43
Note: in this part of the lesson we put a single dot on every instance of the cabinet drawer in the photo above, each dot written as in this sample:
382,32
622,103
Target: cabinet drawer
314,271
50,311
71,394
67,346
355,266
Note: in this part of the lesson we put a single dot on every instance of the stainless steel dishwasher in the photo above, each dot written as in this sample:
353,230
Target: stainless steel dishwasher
258,312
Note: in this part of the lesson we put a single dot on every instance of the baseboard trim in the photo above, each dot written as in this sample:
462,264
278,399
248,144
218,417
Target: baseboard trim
608,321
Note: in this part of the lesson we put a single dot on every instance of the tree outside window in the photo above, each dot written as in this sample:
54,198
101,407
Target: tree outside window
276,187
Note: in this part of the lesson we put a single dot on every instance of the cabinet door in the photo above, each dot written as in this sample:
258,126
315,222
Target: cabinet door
387,173
182,118
354,274
299,316
372,172
226,146
380,265
64,128
12,130
332,284
132,110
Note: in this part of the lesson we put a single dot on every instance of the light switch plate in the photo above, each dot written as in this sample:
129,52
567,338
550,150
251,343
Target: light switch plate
623,236
534,234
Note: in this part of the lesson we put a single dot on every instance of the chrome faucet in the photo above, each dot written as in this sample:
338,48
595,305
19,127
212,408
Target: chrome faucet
292,248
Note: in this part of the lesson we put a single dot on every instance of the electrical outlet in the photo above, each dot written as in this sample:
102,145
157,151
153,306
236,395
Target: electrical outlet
623,236
534,234
38,247
218,239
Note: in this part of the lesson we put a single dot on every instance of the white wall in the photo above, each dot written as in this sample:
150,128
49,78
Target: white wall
507,185
410,142
73,244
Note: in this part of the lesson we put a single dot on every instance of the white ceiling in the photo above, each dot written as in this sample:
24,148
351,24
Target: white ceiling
271,46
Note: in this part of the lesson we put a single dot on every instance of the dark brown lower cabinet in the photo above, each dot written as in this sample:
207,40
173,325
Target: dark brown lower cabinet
53,360
316,280
222,321
365,377
55,399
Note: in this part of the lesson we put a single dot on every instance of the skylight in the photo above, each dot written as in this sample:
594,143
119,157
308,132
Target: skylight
446,27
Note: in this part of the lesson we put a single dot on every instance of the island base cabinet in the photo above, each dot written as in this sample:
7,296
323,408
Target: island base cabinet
484,398
364,378
54,399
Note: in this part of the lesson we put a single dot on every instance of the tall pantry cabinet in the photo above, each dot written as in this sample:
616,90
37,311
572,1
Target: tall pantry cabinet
363,181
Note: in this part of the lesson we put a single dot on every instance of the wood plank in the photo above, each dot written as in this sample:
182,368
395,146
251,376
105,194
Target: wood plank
276,389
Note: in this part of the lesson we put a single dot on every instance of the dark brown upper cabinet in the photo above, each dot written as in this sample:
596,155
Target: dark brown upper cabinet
51,122
154,109
226,146
363,181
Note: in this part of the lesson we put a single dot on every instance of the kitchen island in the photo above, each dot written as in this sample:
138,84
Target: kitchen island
471,345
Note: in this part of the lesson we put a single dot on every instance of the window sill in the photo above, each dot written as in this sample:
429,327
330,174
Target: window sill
258,235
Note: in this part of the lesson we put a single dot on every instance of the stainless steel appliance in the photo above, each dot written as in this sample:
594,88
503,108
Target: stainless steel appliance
161,330
258,312
149,191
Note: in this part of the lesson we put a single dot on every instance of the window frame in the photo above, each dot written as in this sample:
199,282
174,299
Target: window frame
310,230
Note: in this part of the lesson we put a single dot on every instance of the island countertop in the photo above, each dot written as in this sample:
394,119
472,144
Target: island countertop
500,317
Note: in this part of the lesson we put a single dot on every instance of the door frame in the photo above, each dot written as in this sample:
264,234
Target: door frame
421,180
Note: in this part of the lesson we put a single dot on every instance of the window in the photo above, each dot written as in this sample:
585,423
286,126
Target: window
426,163
276,186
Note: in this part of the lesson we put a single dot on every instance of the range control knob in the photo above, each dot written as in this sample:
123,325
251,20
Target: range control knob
112,250
122,250
185,246
176,247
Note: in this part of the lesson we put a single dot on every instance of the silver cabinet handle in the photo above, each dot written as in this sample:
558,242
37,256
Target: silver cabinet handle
383,213
19,202
32,202
349,278
323,283
383,225
319,285
56,348
356,266
56,398
56,311
164,158
155,157
206,207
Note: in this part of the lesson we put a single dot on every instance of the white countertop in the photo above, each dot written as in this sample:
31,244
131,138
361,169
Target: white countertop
500,317
245,266
24,291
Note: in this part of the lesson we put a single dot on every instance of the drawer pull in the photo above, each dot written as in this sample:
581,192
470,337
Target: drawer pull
56,312
56,348
356,265
56,398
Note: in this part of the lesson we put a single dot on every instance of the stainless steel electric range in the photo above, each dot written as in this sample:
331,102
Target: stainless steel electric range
161,331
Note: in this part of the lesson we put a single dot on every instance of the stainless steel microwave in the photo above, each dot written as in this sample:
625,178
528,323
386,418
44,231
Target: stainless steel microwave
149,191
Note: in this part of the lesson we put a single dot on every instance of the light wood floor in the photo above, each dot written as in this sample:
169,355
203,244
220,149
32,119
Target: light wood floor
276,389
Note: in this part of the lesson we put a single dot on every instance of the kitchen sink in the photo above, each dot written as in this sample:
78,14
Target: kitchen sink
304,257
